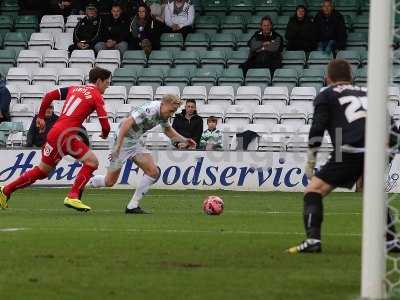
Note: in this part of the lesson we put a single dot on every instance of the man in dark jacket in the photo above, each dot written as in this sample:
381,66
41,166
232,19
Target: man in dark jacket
35,137
330,28
266,47
88,31
115,31
188,123
300,33
5,100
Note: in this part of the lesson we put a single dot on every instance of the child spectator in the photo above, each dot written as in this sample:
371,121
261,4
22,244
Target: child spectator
212,137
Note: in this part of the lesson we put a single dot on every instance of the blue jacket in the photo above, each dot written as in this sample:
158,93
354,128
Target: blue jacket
5,100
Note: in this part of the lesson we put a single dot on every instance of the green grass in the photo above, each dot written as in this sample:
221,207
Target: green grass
177,252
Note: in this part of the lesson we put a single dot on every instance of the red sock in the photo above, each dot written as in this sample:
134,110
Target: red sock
26,179
81,180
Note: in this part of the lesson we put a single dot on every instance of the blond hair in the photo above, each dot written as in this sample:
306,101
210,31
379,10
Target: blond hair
172,99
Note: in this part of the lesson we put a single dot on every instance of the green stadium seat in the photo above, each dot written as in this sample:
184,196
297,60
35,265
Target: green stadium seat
6,23
26,22
223,41
285,77
134,57
174,40
345,6
9,7
186,57
357,39
125,76
353,57
312,77
361,76
215,7
258,77
197,41
241,7
348,20
7,57
15,40
212,58
232,76
179,76
207,24
281,23
266,7
151,76
288,7
242,40
364,6
235,58
319,58
160,57
314,6
207,76
233,24
294,59
361,23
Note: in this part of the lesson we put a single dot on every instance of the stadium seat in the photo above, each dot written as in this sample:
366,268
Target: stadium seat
277,96
6,23
241,7
302,97
186,57
232,76
110,107
312,77
206,77
209,110
160,57
151,76
115,95
55,59
166,90
285,77
9,7
18,76
14,92
239,115
47,77
223,41
171,40
294,116
215,7
41,42
179,76
82,59
353,57
263,7
361,23
271,143
207,24
238,57
15,40
282,22
134,57
124,77
197,41
195,92
108,59
258,77
347,5
294,59
26,23
22,113
357,39
360,77
32,94
63,40
71,22
70,76
122,111
139,95
267,115
242,40
29,59
249,95
221,95
319,58
52,23
233,24
157,141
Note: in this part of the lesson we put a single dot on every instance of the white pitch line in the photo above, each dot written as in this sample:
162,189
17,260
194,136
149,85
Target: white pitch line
12,229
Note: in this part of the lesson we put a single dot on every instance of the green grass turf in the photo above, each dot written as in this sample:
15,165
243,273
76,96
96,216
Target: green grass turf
177,252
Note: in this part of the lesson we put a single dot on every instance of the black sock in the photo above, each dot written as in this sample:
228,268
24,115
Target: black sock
391,226
313,215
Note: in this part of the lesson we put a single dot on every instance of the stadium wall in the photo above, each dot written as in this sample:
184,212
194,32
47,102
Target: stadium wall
255,171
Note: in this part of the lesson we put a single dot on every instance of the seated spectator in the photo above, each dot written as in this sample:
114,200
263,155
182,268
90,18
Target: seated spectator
88,30
266,47
330,28
145,31
157,9
5,100
300,34
179,17
103,6
115,31
36,137
211,138
189,124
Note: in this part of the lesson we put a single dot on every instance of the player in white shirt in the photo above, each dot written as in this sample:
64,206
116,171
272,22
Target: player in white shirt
129,145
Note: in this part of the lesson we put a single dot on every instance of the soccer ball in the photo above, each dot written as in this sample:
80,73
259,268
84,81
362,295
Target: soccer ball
213,205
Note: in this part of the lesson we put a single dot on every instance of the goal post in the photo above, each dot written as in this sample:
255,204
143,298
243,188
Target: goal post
374,204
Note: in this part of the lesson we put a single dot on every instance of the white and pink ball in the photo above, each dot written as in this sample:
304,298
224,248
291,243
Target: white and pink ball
213,205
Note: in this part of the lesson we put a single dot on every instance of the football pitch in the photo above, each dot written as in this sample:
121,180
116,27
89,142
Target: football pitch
51,252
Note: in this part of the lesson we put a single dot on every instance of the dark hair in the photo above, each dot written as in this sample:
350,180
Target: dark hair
116,4
266,18
98,73
191,101
212,119
339,70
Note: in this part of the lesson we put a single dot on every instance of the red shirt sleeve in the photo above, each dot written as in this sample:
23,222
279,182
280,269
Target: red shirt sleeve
102,115
47,100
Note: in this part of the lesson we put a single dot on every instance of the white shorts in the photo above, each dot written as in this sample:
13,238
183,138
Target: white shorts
126,153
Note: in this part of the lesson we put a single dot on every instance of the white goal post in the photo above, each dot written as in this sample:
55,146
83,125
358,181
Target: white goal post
374,204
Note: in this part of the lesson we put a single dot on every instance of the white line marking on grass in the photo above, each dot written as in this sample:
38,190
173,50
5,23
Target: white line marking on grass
239,232
12,229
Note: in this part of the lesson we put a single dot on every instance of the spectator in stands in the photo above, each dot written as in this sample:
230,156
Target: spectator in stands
212,137
330,28
188,123
88,31
179,16
36,137
115,31
5,100
145,31
300,34
266,47
103,6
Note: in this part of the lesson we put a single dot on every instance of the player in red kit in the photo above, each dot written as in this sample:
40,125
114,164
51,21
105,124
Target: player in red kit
62,139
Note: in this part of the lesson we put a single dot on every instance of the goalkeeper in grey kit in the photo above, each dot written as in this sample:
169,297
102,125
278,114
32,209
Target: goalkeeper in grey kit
341,110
